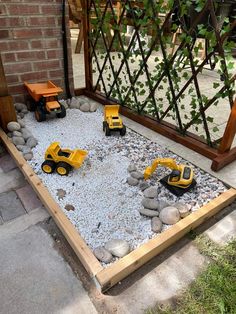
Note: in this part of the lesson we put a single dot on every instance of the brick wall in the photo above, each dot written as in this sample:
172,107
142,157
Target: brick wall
31,43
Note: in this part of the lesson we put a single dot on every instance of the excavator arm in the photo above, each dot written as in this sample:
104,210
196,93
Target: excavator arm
166,162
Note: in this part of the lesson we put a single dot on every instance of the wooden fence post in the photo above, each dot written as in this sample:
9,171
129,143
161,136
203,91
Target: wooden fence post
7,110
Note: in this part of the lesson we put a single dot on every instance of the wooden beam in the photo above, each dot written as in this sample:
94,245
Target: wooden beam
223,160
3,83
128,264
81,249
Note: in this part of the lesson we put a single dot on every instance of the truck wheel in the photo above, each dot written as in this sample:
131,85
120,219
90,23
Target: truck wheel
104,125
62,114
40,115
123,131
107,130
62,168
48,166
30,104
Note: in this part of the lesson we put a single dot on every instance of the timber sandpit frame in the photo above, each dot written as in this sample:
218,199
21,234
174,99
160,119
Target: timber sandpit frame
105,278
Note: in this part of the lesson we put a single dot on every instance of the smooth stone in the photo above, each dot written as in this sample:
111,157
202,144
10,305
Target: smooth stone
20,147
162,204
150,203
9,134
118,248
150,192
183,209
132,168
93,107
20,106
31,142
149,212
26,150
132,181
21,123
85,107
21,115
137,175
102,254
26,133
17,133
18,140
74,103
143,186
28,156
13,126
156,225
169,215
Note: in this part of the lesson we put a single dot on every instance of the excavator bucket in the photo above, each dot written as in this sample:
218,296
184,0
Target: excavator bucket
147,173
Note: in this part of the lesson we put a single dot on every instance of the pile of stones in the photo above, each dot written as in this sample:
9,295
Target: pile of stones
83,104
160,211
112,248
19,135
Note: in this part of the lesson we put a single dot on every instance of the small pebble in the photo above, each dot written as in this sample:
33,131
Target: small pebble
150,192
150,203
149,212
132,181
137,175
156,225
169,215
118,248
102,254
132,168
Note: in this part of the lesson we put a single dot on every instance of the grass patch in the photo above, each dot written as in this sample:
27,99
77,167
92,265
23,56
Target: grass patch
214,290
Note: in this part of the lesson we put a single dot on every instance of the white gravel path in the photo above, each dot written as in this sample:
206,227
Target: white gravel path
106,206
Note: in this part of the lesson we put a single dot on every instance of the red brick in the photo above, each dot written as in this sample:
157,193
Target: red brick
28,198
12,79
51,9
19,98
18,45
8,57
55,54
30,55
18,68
46,65
22,9
56,73
3,10
27,33
11,21
4,33
16,89
35,76
41,21
3,46
46,43
52,33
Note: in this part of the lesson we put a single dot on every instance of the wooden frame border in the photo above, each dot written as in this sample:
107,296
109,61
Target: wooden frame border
108,277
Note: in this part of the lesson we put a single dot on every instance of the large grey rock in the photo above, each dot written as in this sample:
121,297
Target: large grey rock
118,248
150,192
74,103
28,156
31,142
143,186
150,203
102,254
13,126
183,209
26,133
132,181
156,225
85,107
148,212
137,175
18,140
17,133
169,215
131,168
20,106
20,147
93,107
26,150
162,204
21,123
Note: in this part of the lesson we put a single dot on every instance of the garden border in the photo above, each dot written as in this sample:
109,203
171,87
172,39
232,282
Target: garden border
105,278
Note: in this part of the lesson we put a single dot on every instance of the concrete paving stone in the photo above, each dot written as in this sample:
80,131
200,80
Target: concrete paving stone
36,279
28,198
14,179
10,206
224,230
7,163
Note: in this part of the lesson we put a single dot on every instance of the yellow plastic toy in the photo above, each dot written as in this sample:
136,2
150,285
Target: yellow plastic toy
112,121
44,100
181,177
62,160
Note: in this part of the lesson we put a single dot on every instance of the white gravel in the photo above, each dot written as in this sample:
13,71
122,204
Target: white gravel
106,206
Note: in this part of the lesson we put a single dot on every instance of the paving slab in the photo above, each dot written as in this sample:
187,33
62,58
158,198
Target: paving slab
28,198
7,163
14,179
35,278
10,206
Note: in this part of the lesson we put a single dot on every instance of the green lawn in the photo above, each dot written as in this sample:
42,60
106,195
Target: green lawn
214,290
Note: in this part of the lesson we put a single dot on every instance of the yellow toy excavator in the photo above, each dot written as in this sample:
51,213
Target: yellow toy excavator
179,181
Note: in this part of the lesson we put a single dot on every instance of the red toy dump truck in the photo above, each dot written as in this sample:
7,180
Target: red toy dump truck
44,100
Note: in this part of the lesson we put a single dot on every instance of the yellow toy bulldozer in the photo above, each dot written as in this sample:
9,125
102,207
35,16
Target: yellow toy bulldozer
179,181
112,121
62,160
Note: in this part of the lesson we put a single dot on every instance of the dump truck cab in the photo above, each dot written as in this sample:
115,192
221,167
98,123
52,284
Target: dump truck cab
112,120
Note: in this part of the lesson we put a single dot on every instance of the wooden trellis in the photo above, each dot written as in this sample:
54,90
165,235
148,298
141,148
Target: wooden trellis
104,23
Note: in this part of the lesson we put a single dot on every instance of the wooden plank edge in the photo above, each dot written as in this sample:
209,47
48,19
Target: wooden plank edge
223,160
111,275
79,246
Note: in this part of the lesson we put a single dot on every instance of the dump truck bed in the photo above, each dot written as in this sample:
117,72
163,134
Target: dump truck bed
37,90
111,111
77,157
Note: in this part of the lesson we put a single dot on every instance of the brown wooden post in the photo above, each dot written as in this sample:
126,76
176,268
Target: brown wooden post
230,131
7,110
86,28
